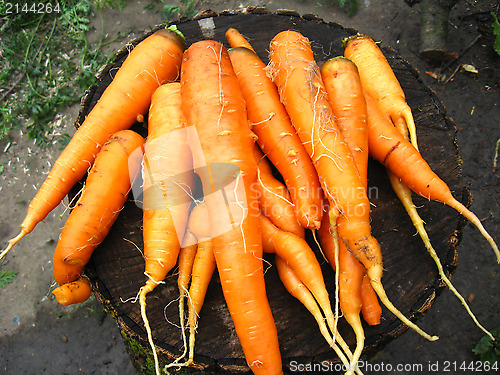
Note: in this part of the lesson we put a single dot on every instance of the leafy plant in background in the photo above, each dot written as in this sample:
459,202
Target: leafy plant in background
6,276
169,12
496,32
351,5
47,63
488,351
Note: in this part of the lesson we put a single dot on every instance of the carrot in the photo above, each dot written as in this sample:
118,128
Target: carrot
274,199
404,194
345,92
370,308
77,291
152,62
187,254
301,259
277,137
349,274
392,149
236,39
203,269
379,81
213,104
168,177
298,290
302,91
102,198
196,266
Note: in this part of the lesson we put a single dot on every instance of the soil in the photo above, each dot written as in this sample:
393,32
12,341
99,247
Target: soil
37,335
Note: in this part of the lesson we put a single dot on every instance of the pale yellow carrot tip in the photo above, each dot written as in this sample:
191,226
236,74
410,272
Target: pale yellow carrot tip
13,241
356,325
469,215
410,123
404,193
379,289
142,301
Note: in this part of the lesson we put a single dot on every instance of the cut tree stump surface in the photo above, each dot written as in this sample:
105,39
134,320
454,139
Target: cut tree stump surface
116,269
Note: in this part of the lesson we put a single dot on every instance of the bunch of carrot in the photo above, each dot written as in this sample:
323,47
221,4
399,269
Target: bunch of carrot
227,117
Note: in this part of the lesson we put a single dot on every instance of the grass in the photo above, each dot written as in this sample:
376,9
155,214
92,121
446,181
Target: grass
47,63
6,276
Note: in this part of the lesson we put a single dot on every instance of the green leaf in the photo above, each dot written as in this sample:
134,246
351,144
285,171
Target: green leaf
488,350
6,277
496,32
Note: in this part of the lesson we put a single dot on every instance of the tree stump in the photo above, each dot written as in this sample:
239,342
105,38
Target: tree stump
116,269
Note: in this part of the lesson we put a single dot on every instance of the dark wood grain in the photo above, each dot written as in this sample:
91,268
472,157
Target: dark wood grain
116,269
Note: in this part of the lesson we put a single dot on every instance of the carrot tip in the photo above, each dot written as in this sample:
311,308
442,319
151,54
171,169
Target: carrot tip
13,241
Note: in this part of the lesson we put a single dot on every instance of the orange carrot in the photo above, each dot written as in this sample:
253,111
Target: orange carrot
102,198
277,137
301,259
343,86
345,92
302,90
405,196
77,291
349,274
203,269
298,290
370,308
152,62
236,39
274,199
379,81
168,178
213,104
196,268
187,254
392,149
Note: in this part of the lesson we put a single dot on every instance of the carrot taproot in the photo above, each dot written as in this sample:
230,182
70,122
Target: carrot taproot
379,81
153,61
236,39
405,196
392,149
213,104
349,274
203,269
274,199
370,307
106,189
302,91
196,268
167,191
277,137
345,92
77,291
187,254
298,290
300,258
